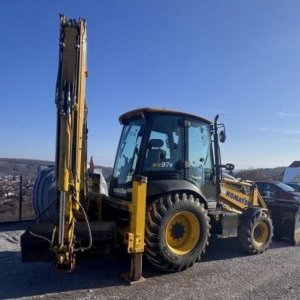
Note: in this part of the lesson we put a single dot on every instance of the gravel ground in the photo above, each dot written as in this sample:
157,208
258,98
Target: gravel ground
224,273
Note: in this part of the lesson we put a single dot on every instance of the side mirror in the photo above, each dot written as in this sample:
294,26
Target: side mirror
222,136
229,167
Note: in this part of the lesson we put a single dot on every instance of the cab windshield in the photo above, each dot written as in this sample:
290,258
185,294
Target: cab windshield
128,151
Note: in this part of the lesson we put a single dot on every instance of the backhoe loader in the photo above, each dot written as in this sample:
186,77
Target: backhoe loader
166,198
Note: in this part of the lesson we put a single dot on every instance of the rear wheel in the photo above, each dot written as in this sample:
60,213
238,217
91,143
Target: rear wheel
177,232
255,231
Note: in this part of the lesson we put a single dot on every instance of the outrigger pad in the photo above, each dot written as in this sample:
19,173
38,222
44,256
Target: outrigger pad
286,221
35,247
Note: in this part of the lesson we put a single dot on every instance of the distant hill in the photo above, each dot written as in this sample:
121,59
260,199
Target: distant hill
274,174
10,168
24,167
29,167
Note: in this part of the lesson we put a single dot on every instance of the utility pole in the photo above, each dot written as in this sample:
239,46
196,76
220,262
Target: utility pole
20,197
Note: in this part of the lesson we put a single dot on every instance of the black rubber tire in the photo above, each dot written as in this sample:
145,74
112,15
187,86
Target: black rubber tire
250,219
159,213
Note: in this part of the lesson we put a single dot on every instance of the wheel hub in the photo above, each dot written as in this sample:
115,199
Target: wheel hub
178,230
182,233
260,233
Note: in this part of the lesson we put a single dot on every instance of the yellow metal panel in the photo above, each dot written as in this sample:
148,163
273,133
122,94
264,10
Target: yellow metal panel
136,235
255,197
261,202
235,197
80,115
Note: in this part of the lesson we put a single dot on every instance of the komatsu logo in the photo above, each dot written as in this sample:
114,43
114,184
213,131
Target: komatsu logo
237,198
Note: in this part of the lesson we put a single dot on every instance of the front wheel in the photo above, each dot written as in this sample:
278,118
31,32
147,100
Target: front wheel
177,232
255,231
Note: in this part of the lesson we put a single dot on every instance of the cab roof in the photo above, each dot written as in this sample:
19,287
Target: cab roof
147,110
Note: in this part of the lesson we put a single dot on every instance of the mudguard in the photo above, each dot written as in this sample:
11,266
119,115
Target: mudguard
158,187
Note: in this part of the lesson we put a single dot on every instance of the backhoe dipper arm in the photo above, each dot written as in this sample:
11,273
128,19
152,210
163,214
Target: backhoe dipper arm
71,133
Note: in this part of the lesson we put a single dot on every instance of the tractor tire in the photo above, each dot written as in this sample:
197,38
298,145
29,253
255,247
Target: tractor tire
177,232
255,231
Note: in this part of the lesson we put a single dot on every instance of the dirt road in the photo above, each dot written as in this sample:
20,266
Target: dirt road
224,273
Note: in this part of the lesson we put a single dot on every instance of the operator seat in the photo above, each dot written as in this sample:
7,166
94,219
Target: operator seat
155,154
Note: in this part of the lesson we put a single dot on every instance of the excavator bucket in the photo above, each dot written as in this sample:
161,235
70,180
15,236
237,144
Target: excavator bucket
286,221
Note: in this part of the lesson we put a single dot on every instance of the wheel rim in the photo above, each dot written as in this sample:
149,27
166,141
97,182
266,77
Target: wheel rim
261,233
182,233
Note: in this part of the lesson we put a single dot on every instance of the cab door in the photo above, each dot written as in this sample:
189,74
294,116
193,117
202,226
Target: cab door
199,169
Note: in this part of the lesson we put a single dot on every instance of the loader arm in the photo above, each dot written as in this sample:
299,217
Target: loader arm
237,196
71,134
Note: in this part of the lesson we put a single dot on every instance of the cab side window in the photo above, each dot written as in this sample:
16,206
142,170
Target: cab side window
199,153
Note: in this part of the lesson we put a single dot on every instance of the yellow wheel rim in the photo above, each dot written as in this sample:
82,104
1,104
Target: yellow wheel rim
182,233
260,233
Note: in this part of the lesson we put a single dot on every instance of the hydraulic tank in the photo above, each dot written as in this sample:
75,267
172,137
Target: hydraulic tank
43,197
44,200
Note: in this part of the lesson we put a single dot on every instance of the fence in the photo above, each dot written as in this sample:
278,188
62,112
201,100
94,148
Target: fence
19,206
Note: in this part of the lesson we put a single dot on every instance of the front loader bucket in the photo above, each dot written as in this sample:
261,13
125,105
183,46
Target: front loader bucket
286,221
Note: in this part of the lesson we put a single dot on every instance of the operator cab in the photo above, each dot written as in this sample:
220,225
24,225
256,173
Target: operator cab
173,149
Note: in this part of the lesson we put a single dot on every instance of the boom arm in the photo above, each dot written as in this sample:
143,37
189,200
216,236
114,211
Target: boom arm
239,195
71,135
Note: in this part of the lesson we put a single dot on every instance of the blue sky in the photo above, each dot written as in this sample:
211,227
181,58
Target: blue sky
239,59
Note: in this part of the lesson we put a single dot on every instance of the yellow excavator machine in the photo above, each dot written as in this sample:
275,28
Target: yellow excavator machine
167,194
67,196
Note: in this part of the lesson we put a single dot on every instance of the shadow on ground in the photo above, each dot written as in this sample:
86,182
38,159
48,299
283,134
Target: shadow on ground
14,225
32,279
220,249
